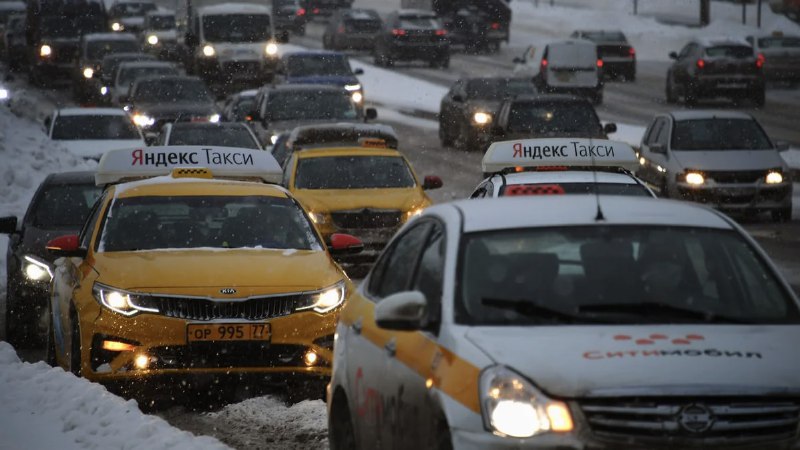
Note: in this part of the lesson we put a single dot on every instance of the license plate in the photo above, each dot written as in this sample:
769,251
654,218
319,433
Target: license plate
564,76
732,85
228,332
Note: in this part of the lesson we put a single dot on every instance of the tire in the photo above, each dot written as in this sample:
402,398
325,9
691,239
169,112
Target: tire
75,345
341,433
671,95
782,215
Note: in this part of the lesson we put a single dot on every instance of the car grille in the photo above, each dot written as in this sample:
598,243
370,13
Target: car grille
710,421
366,218
203,355
242,67
258,308
749,176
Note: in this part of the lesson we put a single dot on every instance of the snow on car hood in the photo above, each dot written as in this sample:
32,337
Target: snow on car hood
599,361
729,159
94,149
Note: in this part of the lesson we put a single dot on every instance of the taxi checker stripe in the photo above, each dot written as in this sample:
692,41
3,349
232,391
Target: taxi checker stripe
451,374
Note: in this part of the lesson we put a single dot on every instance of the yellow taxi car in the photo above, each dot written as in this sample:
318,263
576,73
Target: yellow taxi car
197,273
368,191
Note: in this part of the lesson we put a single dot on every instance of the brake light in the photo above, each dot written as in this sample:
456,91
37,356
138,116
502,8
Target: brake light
399,32
495,25
340,30
631,51
600,63
760,60
441,32
544,62
701,63
315,10
301,12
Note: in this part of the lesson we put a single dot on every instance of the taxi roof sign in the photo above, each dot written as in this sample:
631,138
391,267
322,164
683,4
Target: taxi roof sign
568,152
222,162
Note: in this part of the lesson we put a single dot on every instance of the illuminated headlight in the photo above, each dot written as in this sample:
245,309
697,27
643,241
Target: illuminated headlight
774,178
88,72
36,269
511,406
273,139
271,49
45,51
104,90
317,218
214,118
118,300
481,118
209,51
327,299
152,39
3,94
143,121
116,26
413,213
353,87
694,178
357,97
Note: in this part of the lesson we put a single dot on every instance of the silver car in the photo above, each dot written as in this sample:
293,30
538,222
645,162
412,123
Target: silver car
779,54
722,158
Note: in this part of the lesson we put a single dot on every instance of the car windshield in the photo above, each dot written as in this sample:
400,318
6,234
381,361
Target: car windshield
128,75
719,134
779,42
71,26
94,127
498,88
237,28
99,49
310,105
353,172
64,205
173,91
730,51
225,136
575,188
554,118
310,65
161,22
617,274
184,222
131,9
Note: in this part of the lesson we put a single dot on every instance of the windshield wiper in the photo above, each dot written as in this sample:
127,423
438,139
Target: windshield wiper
658,309
528,308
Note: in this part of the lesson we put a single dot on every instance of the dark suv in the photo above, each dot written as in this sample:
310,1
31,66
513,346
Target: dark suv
613,48
723,67
412,35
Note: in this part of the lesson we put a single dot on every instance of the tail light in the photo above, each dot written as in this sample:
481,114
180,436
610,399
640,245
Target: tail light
495,25
760,60
340,30
441,32
631,51
543,64
315,10
399,32
301,12
600,63
701,63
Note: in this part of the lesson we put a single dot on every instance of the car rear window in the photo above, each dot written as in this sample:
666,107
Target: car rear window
719,134
729,51
353,172
554,118
418,22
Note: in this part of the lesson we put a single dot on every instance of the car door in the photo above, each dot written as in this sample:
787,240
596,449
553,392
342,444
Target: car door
681,72
653,150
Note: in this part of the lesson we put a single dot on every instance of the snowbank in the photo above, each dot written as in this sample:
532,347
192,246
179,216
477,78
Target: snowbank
45,407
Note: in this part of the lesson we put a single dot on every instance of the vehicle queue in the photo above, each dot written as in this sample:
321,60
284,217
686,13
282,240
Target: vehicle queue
584,312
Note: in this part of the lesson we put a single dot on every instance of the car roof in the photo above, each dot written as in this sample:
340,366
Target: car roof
76,177
146,63
181,125
713,41
91,112
233,8
548,98
578,210
346,151
110,37
567,176
696,114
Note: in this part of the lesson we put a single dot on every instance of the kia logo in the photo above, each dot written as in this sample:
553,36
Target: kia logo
696,418
227,291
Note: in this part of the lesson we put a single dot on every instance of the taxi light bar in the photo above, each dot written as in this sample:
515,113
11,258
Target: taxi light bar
566,152
222,162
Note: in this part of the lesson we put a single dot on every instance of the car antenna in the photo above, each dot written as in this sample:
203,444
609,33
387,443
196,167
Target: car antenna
599,217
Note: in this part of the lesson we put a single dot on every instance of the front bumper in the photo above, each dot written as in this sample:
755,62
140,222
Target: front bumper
482,439
739,197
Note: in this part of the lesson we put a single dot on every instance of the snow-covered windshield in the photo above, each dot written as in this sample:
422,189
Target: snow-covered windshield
149,223
161,22
64,205
719,134
310,65
556,117
129,74
171,91
498,88
571,275
94,127
310,105
99,49
237,28
353,172
226,136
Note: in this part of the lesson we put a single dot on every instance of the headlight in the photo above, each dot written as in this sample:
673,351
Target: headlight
353,87
774,178
118,300
3,94
273,139
413,213
104,90
45,51
209,51
143,121
152,39
271,49
317,218
327,299
357,97
214,118
36,269
481,118
694,178
88,72
116,26
512,406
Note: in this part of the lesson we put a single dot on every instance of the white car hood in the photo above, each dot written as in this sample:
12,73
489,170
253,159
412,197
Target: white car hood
603,361
94,149
245,51
729,159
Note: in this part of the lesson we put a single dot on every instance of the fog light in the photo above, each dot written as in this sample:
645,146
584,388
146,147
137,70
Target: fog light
88,72
116,346
45,51
104,90
310,358
357,97
695,178
141,361
774,178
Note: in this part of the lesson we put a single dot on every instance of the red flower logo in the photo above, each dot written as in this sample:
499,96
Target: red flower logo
656,338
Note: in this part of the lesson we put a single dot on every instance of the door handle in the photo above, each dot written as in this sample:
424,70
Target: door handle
391,347
356,326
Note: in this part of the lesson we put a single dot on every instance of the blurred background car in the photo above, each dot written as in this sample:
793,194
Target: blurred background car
8,9
567,67
128,72
108,70
160,35
224,134
238,107
409,35
289,17
618,55
320,67
60,206
90,132
780,55
15,48
352,29
91,51
128,15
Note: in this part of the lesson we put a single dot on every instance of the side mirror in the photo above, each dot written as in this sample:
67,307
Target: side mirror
8,225
358,71
610,128
403,311
658,147
518,60
371,114
673,55
345,244
781,146
458,99
66,246
432,182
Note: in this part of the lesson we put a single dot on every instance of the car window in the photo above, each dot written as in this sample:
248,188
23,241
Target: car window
719,134
687,49
236,28
397,265
127,75
729,51
662,134
779,42
171,91
64,205
99,127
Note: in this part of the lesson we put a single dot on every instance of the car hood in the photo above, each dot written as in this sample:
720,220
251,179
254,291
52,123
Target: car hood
193,272
603,361
94,149
162,35
184,108
326,200
336,80
729,159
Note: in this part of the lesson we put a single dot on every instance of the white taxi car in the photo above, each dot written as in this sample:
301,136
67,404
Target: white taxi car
569,166
654,324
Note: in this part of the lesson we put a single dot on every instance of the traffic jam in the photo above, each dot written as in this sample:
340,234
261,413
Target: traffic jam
410,218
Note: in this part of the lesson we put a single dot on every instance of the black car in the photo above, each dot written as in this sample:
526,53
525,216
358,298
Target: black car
224,134
613,48
60,206
352,29
477,27
467,110
238,107
548,116
93,48
154,101
721,67
14,39
409,35
289,16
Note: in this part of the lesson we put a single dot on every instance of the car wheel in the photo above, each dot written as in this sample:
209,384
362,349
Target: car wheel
341,433
782,215
75,346
672,96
